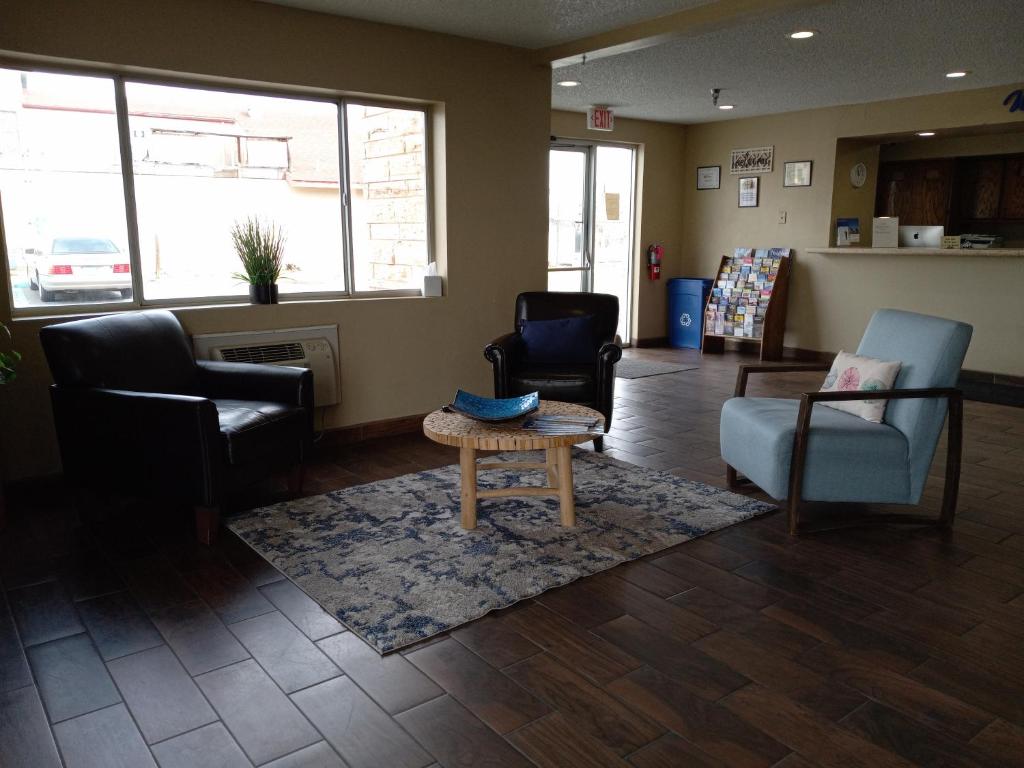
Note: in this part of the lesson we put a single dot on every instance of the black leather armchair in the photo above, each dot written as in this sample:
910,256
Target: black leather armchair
592,384
137,414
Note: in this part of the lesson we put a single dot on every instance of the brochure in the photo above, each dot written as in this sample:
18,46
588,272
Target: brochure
885,232
847,232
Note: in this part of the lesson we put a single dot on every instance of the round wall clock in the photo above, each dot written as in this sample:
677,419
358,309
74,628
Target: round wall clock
858,175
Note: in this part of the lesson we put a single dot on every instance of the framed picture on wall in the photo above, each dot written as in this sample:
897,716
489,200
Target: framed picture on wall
709,177
798,174
748,191
751,160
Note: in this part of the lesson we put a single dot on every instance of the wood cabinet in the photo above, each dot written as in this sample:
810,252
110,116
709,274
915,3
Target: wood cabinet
979,183
1012,204
917,191
989,190
962,194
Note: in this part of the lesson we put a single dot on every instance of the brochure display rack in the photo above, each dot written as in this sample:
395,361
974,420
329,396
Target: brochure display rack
748,301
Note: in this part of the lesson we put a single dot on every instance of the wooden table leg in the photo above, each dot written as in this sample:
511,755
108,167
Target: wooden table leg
552,462
567,503
467,465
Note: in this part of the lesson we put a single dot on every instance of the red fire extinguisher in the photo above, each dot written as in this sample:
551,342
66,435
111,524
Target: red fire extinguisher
654,254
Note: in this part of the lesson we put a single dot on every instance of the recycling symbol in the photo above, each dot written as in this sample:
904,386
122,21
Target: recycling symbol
685,320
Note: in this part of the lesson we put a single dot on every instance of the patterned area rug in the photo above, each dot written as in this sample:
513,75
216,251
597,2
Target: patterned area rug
640,369
391,561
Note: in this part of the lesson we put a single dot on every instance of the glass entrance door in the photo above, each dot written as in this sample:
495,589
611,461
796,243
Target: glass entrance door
590,228
568,220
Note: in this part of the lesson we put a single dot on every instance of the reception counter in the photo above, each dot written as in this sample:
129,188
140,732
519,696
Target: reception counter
969,252
834,291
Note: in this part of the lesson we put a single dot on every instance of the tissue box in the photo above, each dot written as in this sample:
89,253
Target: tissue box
433,285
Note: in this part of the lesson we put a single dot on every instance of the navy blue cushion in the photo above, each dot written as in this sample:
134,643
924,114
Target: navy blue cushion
566,341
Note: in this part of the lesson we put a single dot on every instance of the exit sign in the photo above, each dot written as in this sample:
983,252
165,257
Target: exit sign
600,119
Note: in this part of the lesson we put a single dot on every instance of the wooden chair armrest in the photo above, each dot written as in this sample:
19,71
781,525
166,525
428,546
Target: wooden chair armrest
745,369
880,394
954,405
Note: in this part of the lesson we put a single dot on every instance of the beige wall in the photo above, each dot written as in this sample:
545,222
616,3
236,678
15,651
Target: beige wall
662,148
832,297
1003,143
849,201
399,356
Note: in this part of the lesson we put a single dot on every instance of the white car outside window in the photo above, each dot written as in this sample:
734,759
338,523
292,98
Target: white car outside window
81,264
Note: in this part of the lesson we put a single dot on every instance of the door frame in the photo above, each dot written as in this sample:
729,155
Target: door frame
588,147
587,236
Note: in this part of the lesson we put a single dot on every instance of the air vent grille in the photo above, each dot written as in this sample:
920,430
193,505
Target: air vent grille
263,353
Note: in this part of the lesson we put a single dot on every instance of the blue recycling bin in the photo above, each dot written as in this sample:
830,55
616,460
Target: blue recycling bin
687,297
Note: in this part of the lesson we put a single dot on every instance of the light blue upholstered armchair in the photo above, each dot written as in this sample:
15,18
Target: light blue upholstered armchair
800,453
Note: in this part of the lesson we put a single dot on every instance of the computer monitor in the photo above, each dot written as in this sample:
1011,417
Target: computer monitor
921,237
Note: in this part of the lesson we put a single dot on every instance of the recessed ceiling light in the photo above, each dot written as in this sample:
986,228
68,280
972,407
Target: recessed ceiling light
726,106
568,83
957,73
802,34
926,133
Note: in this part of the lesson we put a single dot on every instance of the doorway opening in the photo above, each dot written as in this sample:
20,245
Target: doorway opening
591,204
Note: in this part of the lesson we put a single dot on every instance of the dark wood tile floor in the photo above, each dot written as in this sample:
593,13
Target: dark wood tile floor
122,643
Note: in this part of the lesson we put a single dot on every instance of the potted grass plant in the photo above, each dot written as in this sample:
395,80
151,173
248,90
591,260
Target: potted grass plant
259,246
9,358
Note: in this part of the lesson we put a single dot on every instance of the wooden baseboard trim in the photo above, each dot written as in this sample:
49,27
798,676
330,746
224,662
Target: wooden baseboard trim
980,386
985,377
347,435
371,430
998,388
807,355
654,341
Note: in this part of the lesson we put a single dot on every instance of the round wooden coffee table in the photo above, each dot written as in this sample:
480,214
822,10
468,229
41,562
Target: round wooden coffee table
449,428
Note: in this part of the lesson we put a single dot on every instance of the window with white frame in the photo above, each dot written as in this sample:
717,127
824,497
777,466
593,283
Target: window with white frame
354,215
61,190
388,188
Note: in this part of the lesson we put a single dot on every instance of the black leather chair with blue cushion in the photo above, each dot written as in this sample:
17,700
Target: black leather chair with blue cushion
563,346
137,414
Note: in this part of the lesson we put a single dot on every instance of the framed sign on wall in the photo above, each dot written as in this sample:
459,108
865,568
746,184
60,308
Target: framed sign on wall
709,177
748,191
798,174
751,160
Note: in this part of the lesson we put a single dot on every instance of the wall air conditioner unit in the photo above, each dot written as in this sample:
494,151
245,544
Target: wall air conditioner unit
315,348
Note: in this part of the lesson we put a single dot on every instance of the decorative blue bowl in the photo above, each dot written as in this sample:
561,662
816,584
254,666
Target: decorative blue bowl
494,409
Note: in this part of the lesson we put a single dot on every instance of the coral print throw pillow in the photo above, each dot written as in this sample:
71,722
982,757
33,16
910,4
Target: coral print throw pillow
856,373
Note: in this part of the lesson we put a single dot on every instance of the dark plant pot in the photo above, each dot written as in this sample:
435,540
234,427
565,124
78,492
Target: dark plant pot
263,294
